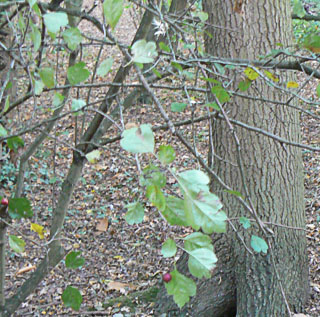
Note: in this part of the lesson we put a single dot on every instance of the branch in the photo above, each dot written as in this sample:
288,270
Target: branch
307,17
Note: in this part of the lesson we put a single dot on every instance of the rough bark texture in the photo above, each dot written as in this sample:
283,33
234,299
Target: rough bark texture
272,173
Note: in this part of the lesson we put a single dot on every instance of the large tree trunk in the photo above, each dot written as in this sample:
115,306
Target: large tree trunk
272,174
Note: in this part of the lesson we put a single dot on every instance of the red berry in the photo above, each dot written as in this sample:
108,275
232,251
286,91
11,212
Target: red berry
166,277
5,201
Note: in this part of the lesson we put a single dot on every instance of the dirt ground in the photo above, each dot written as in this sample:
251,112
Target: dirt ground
121,259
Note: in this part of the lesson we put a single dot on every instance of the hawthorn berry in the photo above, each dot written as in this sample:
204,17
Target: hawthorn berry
166,277
5,201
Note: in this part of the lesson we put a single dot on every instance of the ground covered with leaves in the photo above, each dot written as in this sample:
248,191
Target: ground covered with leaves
123,263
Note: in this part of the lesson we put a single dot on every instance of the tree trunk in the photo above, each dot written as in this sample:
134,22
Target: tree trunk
271,175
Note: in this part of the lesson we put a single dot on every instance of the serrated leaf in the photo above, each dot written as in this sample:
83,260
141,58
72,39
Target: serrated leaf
258,244
178,106
72,37
202,258
112,10
166,154
156,197
105,67
93,156
20,208
292,84
181,287
77,73
251,74
71,297
174,211
74,260
16,244
55,20
169,248
135,213
144,52
76,105
47,76
38,229
245,222
138,140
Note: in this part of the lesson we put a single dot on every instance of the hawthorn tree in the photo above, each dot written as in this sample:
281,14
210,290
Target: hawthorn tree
254,240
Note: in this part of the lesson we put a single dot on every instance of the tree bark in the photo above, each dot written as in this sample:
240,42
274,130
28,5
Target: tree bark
270,174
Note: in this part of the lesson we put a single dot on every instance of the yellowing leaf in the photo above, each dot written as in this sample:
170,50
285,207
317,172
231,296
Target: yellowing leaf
251,74
271,76
38,229
292,84
93,156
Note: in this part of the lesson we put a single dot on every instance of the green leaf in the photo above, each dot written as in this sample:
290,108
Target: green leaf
178,106
155,178
298,8
77,73
112,10
221,94
203,16
16,244
169,249
156,197
14,143
138,140
35,37
38,87
74,260
57,99
244,85
245,222
3,131
166,154
177,66
202,208
258,244
220,68
55,20
181,287
174,211
234,192
144,52
105,67
76,105
20,208
318,90
71,297
157,73
135,213
213,105
93,156
201,256
72,37
164,47
47,76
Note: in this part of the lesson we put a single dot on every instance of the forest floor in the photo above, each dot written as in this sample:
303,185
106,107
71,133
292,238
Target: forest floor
121,259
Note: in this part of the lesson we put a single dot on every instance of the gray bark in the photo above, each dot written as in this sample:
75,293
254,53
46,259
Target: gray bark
269,173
